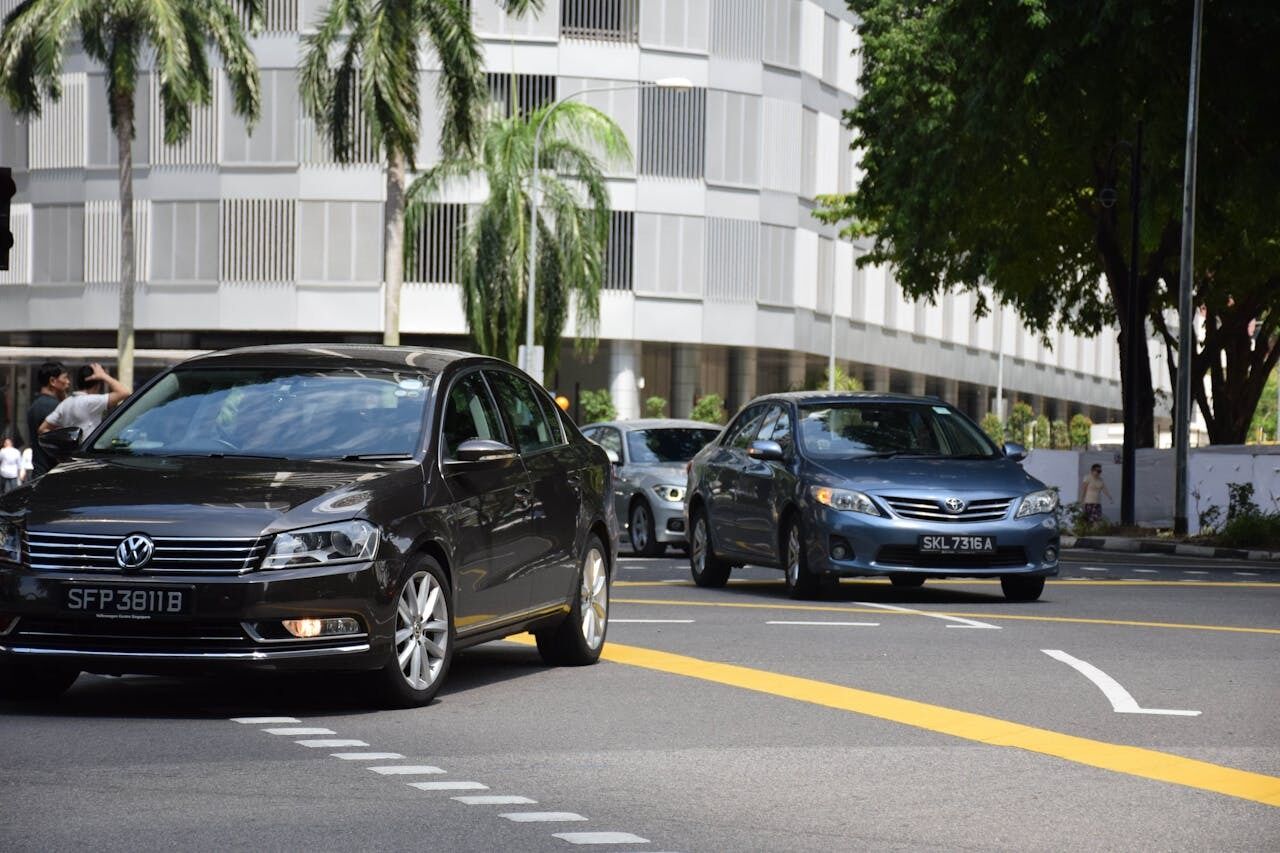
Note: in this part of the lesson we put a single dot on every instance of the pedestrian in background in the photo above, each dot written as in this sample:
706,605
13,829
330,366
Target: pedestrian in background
53,381
1092,488
27,466
10,467
99,392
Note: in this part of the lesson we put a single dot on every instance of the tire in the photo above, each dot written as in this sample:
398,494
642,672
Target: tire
644,541
579,638
422,645
906,581
801,583
31,680
1022,587
708,570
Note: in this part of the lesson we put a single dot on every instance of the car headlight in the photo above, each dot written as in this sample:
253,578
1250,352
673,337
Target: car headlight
844,499
348,542
674,494
10,541
1045,500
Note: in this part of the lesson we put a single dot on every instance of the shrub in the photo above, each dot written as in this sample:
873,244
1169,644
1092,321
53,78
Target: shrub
655,407
596,406
1080,428
709,408
1251,530
1040,437
1240,503
1020,419
994,427
844,382
1060,436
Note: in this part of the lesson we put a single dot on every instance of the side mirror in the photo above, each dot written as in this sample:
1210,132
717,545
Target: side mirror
483,450
766,451
1015,452
613,456
61,444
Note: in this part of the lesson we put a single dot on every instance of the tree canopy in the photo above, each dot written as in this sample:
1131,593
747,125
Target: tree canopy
988,132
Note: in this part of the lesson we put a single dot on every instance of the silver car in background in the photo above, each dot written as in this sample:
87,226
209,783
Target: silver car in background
650,458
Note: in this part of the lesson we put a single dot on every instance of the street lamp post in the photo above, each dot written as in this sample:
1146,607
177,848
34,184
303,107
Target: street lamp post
531,358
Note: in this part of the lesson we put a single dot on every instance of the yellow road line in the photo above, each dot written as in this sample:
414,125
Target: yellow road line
1130,760
1076,620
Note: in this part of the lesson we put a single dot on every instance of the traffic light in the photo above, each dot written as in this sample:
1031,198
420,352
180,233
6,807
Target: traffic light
7,189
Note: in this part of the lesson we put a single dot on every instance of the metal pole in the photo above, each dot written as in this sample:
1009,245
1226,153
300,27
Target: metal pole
1000,368
831,352
1186,343
1135,340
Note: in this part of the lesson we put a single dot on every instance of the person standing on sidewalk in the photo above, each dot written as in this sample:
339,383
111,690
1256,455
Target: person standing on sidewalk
1092,488
53,381
99,393
10,467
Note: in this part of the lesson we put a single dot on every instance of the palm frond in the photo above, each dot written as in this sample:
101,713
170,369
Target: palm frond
461,87
389,78
31,51
238,59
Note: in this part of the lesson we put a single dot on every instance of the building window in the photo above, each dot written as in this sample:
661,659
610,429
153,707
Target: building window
343,240
102,240
200,148
184,241
57,137
737,29
603,20
314,136
533,92
619,256
437,242
257,239
58,255
673,133
733,260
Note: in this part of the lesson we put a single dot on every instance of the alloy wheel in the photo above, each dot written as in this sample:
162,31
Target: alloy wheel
793,555
422,630
593,599
698,545
639,527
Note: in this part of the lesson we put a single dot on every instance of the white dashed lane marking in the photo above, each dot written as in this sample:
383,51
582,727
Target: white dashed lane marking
829,624
600,838
299,731
650,621
263,721
496,800
368,756
1194,572
448,786
1247,574
541,817
1092,569
329,743
407,770
1148,571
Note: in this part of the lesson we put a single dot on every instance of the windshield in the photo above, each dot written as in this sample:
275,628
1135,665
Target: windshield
667,444
279,413
854,429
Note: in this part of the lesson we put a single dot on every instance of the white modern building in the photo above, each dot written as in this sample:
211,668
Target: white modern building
719,279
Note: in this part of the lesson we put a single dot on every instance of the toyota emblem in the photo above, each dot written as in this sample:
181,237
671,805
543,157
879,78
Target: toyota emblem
954,505
135,551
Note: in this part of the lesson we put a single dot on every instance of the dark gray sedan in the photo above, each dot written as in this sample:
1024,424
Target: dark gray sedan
650,457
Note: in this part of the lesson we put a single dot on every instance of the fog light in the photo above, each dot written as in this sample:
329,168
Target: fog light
840,549
305,629
1051,555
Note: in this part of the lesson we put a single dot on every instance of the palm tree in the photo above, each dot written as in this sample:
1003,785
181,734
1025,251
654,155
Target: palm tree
578,143
374,85
125,35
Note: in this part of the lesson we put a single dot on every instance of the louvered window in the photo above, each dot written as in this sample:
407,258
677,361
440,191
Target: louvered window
675,251
619,260
532,92
733,139
19,271
184,241
777,264
673,132
200,148
341,240
257,240
58,243
782,32
733,260
436,245
605,20
278,16
314,136
737,29
58,138
102,240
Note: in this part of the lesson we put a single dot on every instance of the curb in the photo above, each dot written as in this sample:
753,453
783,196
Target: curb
1118,543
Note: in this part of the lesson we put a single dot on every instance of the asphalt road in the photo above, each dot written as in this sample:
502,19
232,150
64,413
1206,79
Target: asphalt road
731,719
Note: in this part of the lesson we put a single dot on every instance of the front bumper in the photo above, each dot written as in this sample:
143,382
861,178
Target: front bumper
885,545
668,522
234,621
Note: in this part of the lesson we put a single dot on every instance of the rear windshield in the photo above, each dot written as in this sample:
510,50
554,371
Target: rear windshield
856,429
294,414
667,444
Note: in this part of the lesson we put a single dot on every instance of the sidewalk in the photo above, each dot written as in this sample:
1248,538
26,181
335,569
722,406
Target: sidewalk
1164,546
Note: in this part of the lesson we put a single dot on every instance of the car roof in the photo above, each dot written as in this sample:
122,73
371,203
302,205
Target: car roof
844,397
653,423
355,356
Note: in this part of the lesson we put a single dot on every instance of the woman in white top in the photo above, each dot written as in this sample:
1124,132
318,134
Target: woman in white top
10,467
1092,488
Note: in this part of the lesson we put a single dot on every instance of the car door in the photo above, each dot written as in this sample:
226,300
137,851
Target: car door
610,438
493,525
724,472
760,488
555,479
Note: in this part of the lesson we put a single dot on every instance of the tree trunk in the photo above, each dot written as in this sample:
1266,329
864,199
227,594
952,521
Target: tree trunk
393,262
125,333
1135,383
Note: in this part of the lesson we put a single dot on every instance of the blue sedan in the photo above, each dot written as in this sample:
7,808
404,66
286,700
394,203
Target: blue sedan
826,486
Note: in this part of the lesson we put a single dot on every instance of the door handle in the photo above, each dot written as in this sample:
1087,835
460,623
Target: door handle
575,482
524,496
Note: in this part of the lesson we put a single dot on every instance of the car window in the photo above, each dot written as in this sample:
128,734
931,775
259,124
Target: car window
469,413
766,426
553,413
744,432
667,444
781,429
610,439
839,429
590,434
520,404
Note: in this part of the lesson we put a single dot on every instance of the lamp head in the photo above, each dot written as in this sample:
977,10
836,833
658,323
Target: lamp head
679,84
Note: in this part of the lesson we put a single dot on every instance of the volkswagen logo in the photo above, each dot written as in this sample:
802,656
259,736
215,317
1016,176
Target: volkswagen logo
135,551
954,505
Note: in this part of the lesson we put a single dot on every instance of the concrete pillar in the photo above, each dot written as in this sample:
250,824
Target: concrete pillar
881,379
624,367
986,400
795,371
684,379
742,377
919,383
951,393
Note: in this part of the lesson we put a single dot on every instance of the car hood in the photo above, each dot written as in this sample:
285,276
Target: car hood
197,496
904,476
670,473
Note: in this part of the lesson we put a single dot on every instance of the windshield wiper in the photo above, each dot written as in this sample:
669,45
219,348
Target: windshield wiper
217,454
890,454
376,457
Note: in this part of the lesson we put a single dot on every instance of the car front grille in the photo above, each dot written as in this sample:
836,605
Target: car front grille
928,509
111,635
83,552
909,556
